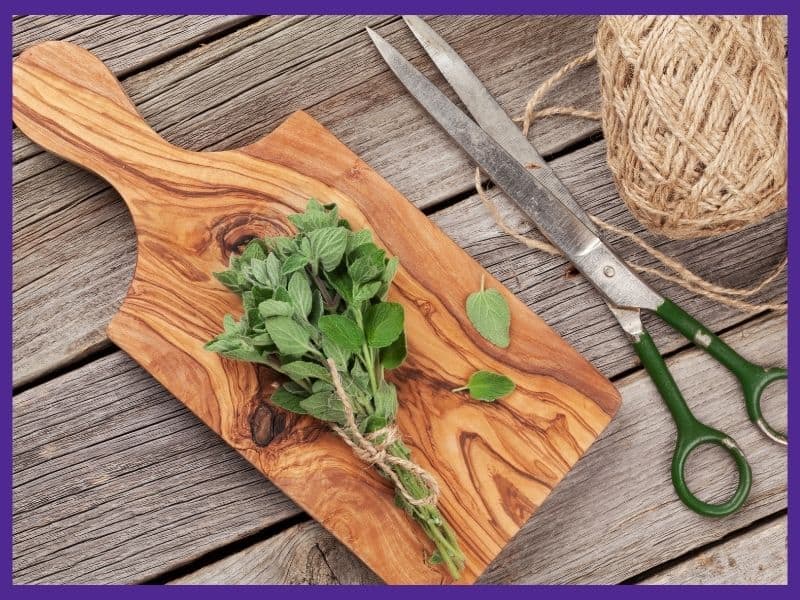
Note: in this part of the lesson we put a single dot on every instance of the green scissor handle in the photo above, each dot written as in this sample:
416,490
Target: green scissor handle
753,378
691,432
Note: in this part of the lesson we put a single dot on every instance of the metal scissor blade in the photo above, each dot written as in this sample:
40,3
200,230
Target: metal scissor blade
587,251
488,113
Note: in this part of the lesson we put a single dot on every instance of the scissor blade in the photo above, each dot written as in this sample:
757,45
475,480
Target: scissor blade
488,113
587,251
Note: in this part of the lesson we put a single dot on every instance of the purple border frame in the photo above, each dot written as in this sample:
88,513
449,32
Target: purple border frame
385,7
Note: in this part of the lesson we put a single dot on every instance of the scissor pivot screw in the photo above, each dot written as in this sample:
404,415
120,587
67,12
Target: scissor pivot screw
609,271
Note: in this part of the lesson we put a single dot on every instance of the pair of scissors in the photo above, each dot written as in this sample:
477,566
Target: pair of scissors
498,146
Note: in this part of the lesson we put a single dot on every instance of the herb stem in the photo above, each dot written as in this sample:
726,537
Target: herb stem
367,356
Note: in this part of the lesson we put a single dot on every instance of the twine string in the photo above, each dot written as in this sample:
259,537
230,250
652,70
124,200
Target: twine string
374,448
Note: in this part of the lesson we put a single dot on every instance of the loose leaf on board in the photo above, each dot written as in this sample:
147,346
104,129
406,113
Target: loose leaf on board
487,386
489,313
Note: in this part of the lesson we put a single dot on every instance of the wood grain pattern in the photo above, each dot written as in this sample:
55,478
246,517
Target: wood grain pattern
759,557
496,463
229,92
86,490
642,523
125,43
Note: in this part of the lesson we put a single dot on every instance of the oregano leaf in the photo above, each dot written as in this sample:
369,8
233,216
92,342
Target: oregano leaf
285,399
489,313
275,308
345,332
488,386
324,406
365,291
303,369
300,292
289,336
327,246
395,353
383,324
294,263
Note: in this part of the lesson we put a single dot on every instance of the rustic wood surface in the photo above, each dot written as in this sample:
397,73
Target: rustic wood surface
74,255
192,209
758,557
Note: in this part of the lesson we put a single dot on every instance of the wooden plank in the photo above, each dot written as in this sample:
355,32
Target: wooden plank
187,208
304,554
72,268
114,480
125,42
615,515
755,557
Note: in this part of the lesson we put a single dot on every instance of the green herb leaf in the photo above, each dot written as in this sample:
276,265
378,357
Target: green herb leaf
315,217
394,354
302,369
366,268
358,238
489,313
345,332
294,263
488,386
300,293
334,351
327,246
285,399
230,279
316,307
254,249
364,292
324,406
236,348
275,308
343,285
289,336
390,270
383,324
386,401
275,277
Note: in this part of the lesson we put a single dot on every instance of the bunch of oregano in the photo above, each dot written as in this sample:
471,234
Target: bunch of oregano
315,308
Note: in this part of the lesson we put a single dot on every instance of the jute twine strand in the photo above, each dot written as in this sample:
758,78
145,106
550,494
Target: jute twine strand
373,448
675,272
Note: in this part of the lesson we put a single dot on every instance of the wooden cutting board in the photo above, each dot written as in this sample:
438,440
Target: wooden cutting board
495,463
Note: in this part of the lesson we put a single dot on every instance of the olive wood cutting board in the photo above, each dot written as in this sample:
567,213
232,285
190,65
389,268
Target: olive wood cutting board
496,463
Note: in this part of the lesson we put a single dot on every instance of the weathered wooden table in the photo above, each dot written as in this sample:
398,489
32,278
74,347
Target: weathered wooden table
115,481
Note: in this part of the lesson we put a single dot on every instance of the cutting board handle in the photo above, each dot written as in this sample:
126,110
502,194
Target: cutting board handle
66,100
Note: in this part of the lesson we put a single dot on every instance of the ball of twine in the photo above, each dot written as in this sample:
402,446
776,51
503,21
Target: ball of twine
694,114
